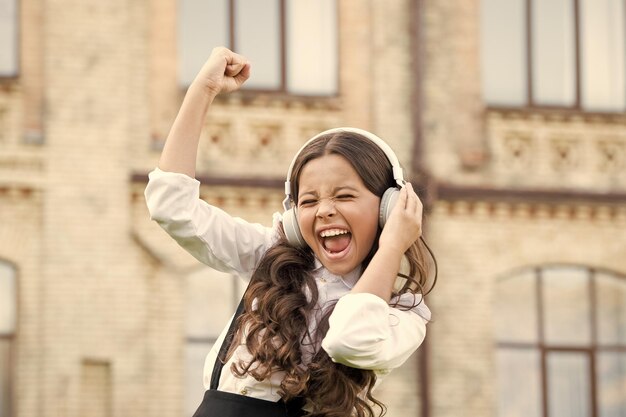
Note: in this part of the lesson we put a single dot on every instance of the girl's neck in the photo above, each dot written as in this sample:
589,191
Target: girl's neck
350,279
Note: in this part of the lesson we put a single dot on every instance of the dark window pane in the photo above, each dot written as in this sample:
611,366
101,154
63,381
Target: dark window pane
503,41
312,47
611,374
611,309
202,25
519,383
8,38
568,384
566,306
603,55
516,306
257,37
553,52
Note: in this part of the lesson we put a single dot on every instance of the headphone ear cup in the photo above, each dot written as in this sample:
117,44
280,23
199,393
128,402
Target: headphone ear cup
387,202
292,230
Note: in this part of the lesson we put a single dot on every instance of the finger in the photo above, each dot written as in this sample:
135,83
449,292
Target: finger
244,74
411,198
234,69
402,198
417,207
234,58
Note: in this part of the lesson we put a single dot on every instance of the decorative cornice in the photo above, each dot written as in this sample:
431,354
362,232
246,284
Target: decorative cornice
254,182
555,114
262,98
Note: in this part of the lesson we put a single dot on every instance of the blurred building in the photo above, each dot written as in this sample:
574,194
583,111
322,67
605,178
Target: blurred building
509,115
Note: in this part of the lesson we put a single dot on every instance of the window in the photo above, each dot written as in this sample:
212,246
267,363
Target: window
292,44
561,337
8,312
8,38
558,53
212,298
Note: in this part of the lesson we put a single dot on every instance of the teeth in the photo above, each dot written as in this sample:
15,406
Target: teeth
333,232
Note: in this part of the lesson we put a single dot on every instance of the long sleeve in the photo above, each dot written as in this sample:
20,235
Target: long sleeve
211,235
366,332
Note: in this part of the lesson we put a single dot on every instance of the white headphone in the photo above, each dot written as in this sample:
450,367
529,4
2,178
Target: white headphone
387,201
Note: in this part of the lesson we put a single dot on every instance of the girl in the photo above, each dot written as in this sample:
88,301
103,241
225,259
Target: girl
327,312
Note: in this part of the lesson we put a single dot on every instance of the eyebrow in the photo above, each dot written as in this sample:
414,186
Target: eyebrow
334,191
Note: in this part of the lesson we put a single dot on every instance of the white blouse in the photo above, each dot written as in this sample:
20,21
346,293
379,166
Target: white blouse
365,332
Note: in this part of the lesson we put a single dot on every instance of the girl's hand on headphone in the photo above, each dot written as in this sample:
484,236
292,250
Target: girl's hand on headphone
404,225
224,72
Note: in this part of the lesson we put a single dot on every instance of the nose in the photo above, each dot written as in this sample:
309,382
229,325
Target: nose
326,208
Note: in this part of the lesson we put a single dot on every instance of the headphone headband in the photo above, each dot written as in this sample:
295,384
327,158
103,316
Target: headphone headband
391,156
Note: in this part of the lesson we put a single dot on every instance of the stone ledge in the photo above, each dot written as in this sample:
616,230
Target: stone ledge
521,210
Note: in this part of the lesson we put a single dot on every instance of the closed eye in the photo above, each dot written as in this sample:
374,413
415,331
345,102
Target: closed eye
307,202
344,197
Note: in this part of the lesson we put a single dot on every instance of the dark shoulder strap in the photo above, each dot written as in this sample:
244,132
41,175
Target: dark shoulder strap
228,339
293,407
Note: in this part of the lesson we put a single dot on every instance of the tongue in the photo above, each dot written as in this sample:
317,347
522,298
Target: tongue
337,243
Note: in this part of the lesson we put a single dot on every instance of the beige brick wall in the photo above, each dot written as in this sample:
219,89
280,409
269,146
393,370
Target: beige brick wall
102,289
452,108
392,77
95,296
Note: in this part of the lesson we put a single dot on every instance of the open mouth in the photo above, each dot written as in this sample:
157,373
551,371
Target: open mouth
335,241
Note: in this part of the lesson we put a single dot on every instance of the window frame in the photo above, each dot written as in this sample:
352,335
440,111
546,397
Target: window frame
531,104
544,348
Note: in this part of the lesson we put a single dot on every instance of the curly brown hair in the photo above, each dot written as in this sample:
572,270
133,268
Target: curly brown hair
283,293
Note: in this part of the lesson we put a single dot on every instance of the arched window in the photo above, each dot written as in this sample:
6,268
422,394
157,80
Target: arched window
561,343
8,313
